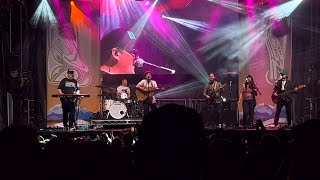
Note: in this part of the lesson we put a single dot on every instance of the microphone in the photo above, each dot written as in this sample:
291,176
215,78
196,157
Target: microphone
139,63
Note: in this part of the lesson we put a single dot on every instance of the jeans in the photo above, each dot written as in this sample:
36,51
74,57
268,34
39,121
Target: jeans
248,112
68,110
215,113
146,108
278,111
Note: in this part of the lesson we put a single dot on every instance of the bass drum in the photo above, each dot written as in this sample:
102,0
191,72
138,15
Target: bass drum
108,103
118,110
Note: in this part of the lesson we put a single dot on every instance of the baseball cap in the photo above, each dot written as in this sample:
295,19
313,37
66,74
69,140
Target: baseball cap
284,72
70,71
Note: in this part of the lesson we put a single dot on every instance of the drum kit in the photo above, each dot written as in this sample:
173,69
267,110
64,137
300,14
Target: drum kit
117,107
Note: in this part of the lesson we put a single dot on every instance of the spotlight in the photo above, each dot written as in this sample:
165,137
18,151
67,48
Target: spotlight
259,125
72,3
163,16
147,3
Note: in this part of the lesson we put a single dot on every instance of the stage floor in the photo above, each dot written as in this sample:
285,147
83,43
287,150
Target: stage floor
120,129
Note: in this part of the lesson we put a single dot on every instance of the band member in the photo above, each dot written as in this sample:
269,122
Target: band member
212,93
17,87
68,85
248,93
147,87
281,86
123,91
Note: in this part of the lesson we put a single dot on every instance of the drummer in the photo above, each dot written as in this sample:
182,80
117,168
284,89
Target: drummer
123,91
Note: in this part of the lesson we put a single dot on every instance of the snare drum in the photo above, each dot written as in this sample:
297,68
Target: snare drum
108,103
124,95
128,101
118,110
124,98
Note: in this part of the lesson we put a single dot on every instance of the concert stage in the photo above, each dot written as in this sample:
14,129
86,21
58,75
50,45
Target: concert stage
124,122
120,129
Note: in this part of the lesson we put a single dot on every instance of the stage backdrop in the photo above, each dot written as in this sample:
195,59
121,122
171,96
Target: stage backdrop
264,60
73,43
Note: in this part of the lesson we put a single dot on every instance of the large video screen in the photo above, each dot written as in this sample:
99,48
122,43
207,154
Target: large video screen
164,36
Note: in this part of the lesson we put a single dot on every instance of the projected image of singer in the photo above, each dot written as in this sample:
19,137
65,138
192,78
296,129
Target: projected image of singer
138,62
68,85
114,58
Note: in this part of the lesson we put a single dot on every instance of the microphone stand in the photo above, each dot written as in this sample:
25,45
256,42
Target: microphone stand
161,67
237,106
230,82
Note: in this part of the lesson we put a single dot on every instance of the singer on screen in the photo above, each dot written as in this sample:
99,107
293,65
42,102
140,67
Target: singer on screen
114,57
248,93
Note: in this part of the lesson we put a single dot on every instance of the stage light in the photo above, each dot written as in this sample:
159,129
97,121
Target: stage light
192,24
282,11
147,3
118,9
44,14
163,16
235,6
72,3
259,125
140,24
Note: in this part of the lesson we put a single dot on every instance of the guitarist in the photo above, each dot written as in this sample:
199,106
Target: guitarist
283,85
212,93
148,87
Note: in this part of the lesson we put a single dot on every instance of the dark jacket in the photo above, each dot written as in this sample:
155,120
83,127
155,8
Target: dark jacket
288,89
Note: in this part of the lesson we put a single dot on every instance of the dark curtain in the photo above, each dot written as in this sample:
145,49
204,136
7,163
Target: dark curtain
38,69
306,56
35,64
26,52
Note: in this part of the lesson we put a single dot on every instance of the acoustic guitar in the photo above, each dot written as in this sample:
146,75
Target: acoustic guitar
143,95
213,95
282,96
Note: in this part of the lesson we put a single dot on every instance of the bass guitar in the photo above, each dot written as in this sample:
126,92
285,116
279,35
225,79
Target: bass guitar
143,95
282,96
213,95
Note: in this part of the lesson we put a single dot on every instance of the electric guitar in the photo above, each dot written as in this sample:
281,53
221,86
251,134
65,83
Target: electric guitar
282,96
213,94
143,95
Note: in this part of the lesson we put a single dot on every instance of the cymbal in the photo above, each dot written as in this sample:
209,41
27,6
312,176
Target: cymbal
232,72
109,88
100,86
105,87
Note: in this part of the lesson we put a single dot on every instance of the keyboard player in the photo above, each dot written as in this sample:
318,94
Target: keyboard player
68,85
